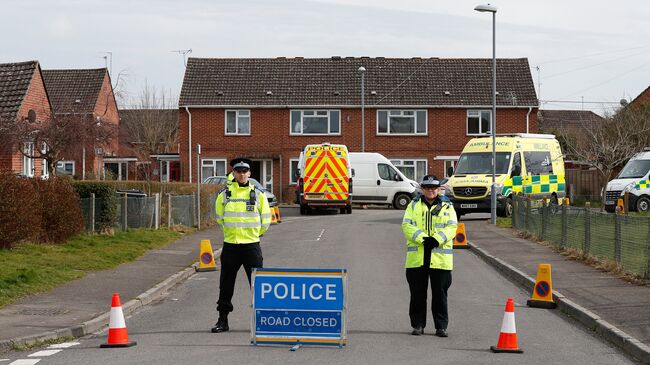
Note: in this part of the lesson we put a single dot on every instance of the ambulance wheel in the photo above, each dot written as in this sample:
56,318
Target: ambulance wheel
348,209
507,208
554,204
401,201
342,210
643,204
303,209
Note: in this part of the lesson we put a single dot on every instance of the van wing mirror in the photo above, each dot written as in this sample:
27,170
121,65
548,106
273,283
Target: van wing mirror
297,172
450,171
516,170
396,177
352,172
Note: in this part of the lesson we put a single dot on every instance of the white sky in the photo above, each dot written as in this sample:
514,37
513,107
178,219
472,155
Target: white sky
597,50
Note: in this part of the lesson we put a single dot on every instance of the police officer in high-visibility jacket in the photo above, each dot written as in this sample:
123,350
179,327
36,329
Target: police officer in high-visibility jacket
429,225
243,213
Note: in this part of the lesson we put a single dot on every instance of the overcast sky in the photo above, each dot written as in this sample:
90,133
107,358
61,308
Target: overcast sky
596,51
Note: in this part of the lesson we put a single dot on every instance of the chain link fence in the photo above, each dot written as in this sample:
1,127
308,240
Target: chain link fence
619,238
148,212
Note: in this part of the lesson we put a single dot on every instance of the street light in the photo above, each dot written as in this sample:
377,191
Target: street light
362,70
493,204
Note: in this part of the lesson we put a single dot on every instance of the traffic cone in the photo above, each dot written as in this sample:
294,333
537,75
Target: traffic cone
118,336
277,213
274,218
206,258
460,240
543,291
508,336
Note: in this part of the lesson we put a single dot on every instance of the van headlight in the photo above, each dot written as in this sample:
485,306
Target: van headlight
628,187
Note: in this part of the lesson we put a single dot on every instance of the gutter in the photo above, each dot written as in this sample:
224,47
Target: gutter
530,109
189,144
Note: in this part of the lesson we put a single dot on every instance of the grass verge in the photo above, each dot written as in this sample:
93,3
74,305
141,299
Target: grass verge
34,268
503,222
40,343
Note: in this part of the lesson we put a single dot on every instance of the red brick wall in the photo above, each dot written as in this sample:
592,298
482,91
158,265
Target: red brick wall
35,99
643,98
270,138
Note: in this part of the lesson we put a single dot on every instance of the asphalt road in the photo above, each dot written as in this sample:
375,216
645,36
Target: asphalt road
370,244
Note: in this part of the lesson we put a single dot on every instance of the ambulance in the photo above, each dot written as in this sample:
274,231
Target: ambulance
633,179
528,164
324,178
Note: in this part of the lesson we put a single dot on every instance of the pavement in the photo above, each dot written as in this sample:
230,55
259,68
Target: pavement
613,308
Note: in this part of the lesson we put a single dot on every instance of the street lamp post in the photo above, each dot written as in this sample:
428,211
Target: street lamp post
493,203
362,70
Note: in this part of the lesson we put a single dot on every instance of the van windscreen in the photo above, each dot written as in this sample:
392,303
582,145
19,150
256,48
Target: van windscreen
481,163
635,169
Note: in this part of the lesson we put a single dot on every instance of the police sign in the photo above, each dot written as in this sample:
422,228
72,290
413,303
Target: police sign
299,306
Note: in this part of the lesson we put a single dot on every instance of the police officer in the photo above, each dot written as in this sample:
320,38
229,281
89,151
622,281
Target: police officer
244,215
429,225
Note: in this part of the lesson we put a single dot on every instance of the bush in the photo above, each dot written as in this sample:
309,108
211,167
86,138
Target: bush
61,212
106,201
20,217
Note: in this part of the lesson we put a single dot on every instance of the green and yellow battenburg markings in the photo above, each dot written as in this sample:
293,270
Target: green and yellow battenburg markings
642,184
536,184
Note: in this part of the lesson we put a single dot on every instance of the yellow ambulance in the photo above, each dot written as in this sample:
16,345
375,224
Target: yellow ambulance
528,164
324,178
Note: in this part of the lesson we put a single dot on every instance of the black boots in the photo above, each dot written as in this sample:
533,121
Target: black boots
417,331
221,326
441,332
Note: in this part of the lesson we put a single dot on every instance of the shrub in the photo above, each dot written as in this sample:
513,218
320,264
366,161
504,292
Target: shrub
61,212
106,201
20,215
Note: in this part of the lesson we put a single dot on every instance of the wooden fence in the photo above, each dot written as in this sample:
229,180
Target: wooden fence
584,183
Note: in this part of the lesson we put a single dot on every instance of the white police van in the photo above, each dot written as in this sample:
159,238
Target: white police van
633,179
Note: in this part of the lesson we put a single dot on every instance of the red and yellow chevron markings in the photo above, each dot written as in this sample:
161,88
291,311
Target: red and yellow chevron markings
327,174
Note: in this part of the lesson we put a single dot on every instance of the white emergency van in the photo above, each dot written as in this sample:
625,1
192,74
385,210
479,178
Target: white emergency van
378,181
633,179
528,164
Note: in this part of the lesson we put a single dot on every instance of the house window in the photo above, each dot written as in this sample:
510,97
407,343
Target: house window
401,122
28,162
238,122
315,122
65,168
413,169
479,122
450,167
293,169
212,167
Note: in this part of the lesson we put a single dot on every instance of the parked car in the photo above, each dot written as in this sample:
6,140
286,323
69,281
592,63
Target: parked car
273,201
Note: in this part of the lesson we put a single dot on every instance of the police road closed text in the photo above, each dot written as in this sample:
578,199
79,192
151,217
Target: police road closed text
293,291
298,292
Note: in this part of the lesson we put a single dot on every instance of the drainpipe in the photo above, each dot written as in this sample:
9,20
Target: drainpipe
530,109
281,184
189,143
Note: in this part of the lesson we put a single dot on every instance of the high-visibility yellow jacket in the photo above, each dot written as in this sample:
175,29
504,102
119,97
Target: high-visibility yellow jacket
439,222
242,222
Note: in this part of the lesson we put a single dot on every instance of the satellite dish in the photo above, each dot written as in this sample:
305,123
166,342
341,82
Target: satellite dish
623,102
31,116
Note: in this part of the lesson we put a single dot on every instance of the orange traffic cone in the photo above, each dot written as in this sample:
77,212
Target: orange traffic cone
118,336
274,218
543,291
460,240
508,335
277,214
206,258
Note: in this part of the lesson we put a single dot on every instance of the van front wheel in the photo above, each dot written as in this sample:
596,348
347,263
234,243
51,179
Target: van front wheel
643,204
401,201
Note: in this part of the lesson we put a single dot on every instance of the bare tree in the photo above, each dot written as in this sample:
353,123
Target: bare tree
607,146
151,127
60,133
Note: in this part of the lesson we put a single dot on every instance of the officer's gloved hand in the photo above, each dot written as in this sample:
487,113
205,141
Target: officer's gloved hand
431,242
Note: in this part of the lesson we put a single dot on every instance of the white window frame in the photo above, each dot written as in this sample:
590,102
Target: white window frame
293,180
400,113
45,172
315,111
28,162
238,114
212,162
61,164
477,114
400,162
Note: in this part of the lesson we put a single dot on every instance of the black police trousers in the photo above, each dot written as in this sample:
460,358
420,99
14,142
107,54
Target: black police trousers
233,256
418,279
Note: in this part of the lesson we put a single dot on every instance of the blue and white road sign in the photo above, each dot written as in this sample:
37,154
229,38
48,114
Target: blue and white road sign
299,306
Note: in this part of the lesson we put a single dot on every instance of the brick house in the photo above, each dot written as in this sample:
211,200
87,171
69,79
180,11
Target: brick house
86,93
419,112
23,97
567,122
643,98
155,130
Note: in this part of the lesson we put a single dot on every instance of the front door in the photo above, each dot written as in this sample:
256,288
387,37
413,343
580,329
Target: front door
262,171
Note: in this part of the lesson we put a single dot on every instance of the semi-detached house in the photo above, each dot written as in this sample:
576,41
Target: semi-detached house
418,112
